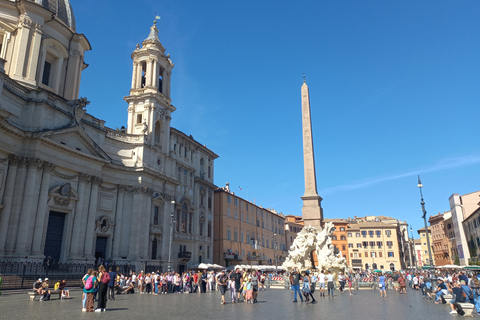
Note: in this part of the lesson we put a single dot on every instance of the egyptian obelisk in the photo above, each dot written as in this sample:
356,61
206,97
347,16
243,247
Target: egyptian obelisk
311,211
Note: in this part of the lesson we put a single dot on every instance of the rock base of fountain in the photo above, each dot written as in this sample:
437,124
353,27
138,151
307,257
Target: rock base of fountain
316,239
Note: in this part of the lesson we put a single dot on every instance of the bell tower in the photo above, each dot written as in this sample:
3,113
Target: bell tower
149,103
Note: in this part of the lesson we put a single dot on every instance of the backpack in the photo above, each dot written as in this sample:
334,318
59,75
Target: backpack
443,299
89,283
106,278
459,309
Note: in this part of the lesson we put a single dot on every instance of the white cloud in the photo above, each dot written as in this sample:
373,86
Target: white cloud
444,164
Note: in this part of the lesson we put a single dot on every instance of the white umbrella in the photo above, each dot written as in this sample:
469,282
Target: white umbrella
450,266
203,266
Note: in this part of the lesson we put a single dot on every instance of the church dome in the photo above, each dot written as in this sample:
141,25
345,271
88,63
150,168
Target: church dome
61,8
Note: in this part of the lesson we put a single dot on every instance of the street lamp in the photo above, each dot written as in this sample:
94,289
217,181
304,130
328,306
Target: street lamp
275,243
433,278
172,222
414,257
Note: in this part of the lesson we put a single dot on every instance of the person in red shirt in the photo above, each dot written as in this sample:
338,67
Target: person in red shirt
195,282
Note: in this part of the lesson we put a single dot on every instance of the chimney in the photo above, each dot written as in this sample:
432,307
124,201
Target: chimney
228,186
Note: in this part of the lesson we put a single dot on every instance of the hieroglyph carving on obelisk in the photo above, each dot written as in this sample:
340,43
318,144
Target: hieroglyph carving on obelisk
312,211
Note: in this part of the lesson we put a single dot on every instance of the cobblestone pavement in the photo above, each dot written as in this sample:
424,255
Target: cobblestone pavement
273,304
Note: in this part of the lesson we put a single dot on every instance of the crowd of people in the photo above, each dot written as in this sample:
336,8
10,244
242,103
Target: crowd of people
42,289
101,285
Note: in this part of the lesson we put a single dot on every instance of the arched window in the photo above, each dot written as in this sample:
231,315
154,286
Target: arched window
157,132
374,266
392,267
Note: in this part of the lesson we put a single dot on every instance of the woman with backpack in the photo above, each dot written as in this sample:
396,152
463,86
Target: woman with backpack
90,283
103,280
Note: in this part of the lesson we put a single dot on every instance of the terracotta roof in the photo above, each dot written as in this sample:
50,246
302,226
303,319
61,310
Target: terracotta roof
353,227
373,224
337,220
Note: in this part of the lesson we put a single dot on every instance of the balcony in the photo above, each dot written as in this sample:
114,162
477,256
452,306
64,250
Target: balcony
256,245
256,258
184,256
230,256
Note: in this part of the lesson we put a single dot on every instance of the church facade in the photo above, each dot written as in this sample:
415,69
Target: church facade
74,190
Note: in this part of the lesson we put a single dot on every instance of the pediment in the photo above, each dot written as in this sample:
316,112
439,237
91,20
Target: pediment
76,139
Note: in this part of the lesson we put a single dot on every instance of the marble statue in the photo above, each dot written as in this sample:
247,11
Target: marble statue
316,239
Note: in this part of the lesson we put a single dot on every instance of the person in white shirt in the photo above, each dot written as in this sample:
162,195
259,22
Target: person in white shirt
321,283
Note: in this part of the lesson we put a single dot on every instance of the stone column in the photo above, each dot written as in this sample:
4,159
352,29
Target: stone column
40,221
166,83
17,204
92,215
58,76
117,232
27,213
139,76
155,73
77,219
134,75
8,200
149,73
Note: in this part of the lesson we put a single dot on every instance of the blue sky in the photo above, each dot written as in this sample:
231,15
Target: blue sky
394,90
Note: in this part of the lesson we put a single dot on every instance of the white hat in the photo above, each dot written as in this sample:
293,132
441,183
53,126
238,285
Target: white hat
46,279
40,279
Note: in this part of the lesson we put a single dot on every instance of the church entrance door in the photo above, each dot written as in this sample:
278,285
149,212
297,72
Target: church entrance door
53,240
101,248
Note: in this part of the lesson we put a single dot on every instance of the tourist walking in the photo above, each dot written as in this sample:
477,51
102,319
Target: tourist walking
381,286
307,287
238,279
321,283
222,285
295,283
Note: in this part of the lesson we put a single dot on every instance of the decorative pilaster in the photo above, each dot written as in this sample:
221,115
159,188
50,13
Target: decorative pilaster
8,200
40,217
117,235
82,226
77,218
135,228
92,212
17,203
28,211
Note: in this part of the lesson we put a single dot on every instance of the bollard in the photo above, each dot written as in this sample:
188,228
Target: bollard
268,283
